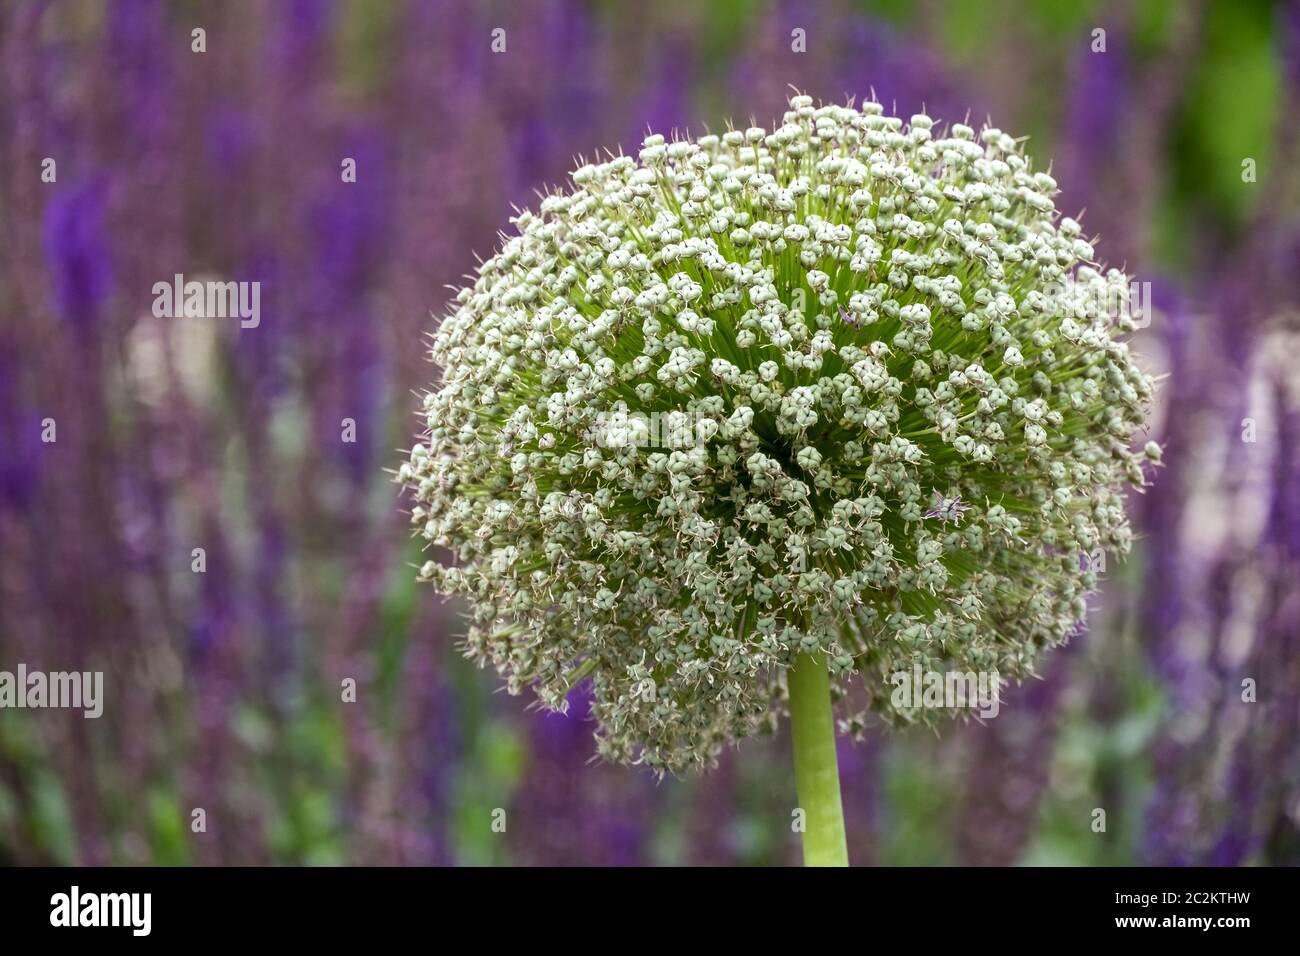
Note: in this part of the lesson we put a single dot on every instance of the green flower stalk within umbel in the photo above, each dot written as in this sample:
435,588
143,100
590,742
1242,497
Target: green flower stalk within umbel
843,392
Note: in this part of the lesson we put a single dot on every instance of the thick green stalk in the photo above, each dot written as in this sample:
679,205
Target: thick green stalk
816,771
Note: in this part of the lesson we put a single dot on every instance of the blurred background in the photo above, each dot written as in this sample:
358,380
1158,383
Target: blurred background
1176,131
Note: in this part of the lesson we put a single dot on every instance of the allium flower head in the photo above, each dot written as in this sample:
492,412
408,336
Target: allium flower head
909,417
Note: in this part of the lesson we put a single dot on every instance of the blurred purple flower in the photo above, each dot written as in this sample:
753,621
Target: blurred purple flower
78,256
1095,112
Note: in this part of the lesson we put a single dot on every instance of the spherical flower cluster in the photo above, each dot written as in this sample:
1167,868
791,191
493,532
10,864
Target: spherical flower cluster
910,426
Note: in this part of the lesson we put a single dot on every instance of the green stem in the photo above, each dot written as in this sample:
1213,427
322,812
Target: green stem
816,772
